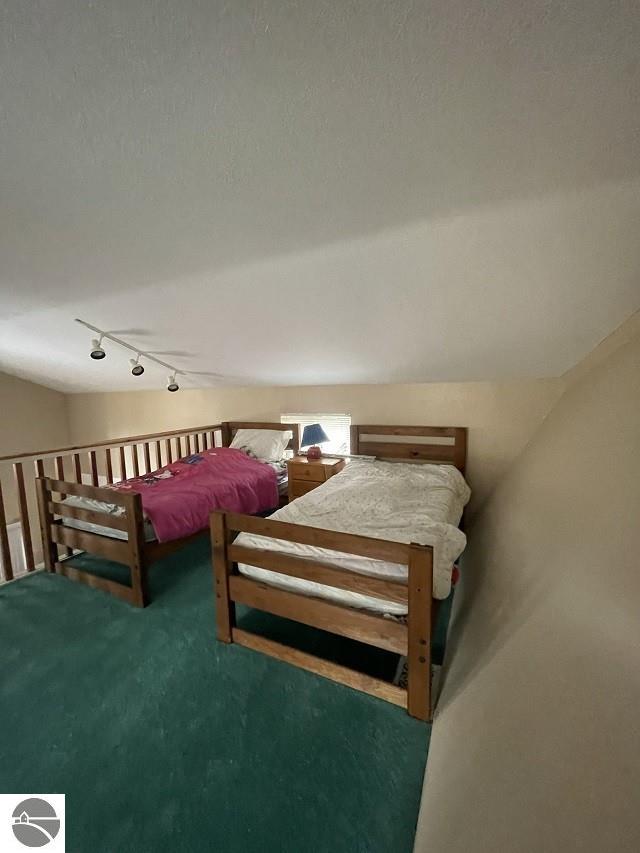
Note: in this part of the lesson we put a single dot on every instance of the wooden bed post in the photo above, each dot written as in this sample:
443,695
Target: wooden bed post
420,627
225,607
225,431
137,564
355,439
49,547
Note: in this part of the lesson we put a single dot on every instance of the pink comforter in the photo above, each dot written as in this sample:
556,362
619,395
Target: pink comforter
178,498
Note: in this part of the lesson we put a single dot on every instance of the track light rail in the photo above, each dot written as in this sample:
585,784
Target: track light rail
137,369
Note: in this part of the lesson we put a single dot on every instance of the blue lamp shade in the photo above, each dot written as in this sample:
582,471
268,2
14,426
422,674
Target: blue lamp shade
313,434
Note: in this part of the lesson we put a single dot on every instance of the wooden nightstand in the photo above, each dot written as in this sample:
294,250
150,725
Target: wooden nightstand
305,474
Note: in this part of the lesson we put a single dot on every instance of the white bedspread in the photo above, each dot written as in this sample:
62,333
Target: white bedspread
397,501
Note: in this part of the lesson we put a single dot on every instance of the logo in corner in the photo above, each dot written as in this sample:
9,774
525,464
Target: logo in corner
35,822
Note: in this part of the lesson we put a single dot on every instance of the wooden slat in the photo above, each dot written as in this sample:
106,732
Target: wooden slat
147,458
393,450
349,543
49,548
38,465
99,493
5,551
93,464
94,543
158,455
119,590
196,439
441,432
327,669
213,439
60,467
60,476
123,463
106,519
178,448
167,448
204,438
23,510
225,608
77,468
419,630
108,465
134,460
299,567
373,630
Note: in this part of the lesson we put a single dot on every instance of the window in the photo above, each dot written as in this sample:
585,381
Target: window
335,426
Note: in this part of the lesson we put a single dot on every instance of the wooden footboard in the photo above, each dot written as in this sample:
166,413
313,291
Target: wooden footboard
412,639
129,551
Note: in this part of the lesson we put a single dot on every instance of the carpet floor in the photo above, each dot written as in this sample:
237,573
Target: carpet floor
163,739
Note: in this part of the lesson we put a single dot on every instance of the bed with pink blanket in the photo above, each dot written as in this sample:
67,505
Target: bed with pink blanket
178,498
139,521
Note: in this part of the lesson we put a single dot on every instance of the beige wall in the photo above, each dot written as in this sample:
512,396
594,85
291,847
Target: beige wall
501,416
33,418
536,743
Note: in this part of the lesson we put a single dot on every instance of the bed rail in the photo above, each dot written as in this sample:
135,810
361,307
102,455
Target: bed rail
128,551
412,638
100,463
230,428
446,445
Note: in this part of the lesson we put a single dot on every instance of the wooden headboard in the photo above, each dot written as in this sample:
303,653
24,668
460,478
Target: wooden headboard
446,445
230,428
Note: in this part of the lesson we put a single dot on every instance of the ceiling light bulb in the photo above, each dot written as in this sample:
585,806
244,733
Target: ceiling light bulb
136,368
172,385
96,349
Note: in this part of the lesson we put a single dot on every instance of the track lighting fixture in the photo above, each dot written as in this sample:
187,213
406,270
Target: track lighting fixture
136,368
96,349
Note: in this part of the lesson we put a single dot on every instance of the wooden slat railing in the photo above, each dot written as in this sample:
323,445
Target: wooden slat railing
93,463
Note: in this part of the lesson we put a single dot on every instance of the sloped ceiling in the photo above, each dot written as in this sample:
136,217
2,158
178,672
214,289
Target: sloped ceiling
315,192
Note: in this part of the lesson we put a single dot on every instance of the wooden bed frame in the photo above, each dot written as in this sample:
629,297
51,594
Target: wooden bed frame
412,639
134,552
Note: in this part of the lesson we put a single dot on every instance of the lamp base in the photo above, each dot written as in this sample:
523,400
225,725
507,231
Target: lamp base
314,452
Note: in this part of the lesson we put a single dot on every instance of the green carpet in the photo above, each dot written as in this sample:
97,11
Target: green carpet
163,739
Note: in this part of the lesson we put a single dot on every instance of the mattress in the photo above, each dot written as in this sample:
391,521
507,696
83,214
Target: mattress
402,502
115,510
102,506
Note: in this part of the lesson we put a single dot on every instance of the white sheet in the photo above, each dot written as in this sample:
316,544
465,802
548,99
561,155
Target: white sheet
398,501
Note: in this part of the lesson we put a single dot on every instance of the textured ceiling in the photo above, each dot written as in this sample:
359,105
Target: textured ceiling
317,191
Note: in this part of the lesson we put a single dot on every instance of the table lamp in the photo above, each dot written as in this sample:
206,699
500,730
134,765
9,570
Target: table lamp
312,436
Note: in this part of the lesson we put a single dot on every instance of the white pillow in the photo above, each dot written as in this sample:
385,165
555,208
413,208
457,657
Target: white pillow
265,444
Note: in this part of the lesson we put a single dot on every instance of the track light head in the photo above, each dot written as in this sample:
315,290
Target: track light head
172,385
136,368
97,352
